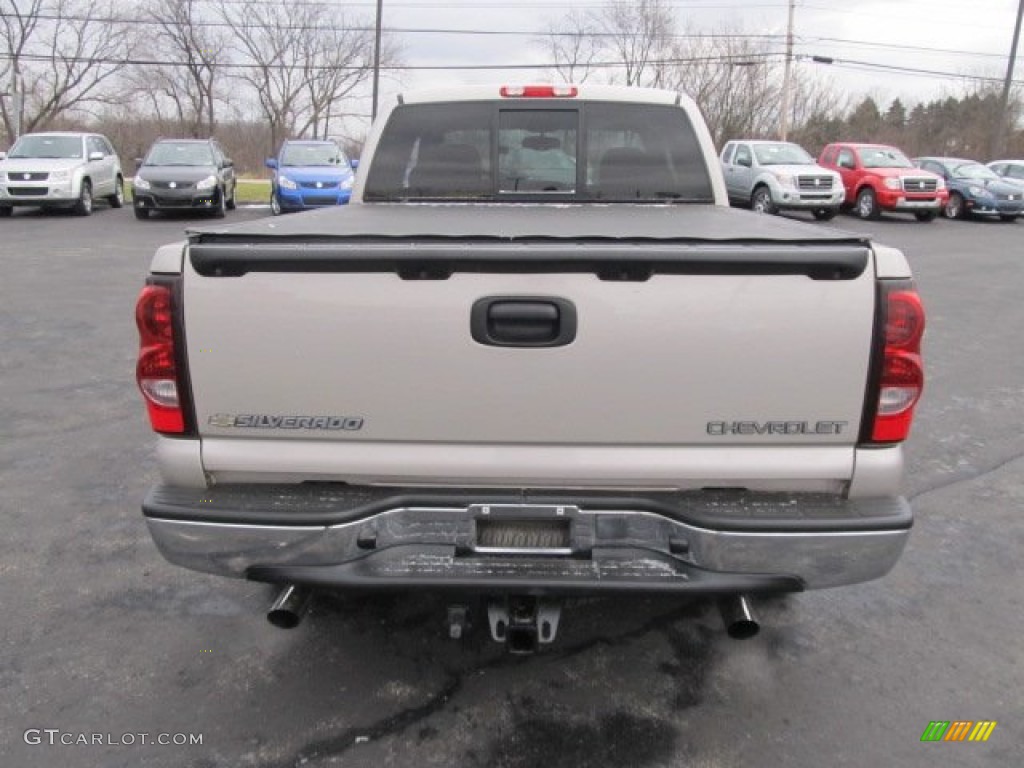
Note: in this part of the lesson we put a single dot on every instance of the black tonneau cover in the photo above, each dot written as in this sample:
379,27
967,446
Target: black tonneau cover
433,240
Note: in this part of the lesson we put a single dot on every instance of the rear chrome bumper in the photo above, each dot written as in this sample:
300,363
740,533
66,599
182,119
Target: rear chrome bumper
684,542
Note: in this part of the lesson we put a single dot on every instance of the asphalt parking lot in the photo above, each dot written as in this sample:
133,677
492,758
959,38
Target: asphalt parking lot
101,636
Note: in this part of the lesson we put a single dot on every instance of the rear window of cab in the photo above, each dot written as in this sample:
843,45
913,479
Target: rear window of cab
538,150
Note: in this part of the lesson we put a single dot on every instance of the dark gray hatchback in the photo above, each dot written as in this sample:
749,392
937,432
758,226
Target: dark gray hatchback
184,174
974,189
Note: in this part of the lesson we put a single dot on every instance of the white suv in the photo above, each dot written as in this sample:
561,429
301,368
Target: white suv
59,170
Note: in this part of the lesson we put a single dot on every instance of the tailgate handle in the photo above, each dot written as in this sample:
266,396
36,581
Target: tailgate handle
523,321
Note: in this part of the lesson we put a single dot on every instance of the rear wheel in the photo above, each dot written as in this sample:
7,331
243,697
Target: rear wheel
1008,217
141,214
954,207
761,202
84,205
5,211
867,204
925,215
116,200
232,204
825,214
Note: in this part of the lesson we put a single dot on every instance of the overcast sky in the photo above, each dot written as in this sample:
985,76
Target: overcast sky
982,28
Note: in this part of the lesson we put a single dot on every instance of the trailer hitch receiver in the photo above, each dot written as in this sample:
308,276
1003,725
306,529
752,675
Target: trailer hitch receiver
523,622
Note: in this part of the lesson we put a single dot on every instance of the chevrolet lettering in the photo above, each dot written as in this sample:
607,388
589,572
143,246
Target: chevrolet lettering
719,428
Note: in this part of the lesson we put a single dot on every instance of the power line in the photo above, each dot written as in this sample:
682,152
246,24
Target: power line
723,58
393,68
801,39
535,4
143,21
874,66
899,46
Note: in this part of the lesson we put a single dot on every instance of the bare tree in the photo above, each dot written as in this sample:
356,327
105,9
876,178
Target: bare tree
815,94
572,43
299,60
270,41
637,34
59,54
18,24
338,61
730,77
192,58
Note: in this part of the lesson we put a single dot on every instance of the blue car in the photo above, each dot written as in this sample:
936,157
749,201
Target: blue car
974,189
309,174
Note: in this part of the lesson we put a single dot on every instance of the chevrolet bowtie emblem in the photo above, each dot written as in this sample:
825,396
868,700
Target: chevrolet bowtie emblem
173,185
319,185
27,176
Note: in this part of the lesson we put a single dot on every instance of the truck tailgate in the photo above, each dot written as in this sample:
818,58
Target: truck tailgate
683,336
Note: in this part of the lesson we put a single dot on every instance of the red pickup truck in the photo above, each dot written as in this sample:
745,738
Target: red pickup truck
881,178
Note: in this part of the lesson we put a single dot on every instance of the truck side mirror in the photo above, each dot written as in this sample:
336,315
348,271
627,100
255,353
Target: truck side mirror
96,156
744,161
3,155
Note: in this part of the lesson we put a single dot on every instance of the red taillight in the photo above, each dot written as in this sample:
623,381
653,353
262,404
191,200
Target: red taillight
904,321
902,374
157,371
538,91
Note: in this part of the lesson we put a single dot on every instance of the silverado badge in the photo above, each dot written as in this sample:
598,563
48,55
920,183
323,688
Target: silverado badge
264,421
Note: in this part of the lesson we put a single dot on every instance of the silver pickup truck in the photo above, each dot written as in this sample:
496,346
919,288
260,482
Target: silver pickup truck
538,356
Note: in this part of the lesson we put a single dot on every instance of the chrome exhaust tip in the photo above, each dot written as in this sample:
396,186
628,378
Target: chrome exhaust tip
289,608
738,618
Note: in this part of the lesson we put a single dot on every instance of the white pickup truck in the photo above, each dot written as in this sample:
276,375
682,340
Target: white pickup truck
537,356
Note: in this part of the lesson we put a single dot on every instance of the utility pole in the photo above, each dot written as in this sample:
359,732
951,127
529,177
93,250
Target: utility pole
17,97
376,61
787,73
1003,118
